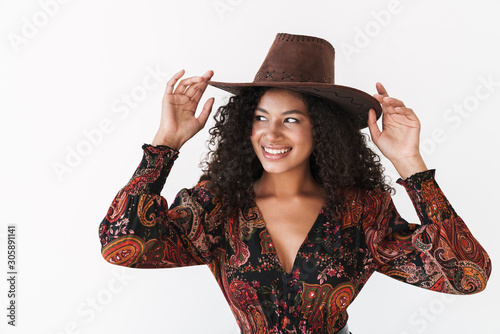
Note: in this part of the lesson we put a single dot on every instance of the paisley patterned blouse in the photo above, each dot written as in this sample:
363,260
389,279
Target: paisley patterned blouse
337,257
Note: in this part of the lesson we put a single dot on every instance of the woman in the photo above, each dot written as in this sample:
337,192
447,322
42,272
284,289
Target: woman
292,213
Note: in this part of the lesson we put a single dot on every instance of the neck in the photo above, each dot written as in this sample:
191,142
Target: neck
287,185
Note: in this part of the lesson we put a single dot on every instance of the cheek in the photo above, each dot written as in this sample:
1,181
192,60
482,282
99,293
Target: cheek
308,144
305,137
255,136
254,140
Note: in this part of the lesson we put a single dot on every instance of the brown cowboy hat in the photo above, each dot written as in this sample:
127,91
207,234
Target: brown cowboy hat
306,64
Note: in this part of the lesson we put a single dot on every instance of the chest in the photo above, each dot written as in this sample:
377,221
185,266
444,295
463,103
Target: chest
288,225
328,266
292,262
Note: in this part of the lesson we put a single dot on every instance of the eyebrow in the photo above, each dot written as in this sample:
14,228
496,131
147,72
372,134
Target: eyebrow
288,112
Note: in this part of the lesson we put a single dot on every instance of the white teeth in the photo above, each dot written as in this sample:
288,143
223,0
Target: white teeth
273,151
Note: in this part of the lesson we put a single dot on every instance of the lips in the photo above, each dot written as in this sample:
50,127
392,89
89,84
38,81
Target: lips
275,153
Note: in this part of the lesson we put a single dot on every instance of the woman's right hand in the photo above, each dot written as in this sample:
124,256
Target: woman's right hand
178,122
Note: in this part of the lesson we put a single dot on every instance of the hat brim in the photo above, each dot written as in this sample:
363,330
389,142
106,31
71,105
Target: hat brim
349,99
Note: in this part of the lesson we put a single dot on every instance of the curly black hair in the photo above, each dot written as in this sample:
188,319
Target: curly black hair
341,158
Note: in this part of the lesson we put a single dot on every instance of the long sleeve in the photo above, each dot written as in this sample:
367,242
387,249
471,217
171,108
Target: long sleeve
140,231
440,254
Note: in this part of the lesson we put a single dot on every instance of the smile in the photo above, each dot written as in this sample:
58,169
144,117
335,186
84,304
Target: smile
276,151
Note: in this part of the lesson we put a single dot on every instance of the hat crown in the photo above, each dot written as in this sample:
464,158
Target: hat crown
307,64
298,58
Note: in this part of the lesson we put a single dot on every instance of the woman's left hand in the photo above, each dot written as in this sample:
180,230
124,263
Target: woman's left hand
399,139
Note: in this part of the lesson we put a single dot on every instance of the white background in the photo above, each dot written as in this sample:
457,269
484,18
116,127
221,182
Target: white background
67,68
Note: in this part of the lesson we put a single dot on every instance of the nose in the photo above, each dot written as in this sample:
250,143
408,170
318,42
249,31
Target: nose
274,131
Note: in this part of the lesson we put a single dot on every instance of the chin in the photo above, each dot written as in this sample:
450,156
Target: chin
277,168
274,170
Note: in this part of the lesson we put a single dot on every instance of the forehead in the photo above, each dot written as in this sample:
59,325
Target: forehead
278,100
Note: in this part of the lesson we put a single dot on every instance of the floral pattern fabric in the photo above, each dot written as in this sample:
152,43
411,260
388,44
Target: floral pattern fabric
339,254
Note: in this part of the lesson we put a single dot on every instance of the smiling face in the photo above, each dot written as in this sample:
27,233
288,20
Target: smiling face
282,132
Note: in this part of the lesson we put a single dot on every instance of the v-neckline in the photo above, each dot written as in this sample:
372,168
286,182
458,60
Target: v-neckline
307,237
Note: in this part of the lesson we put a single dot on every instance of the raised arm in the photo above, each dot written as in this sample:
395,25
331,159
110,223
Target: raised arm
441,254
178,121
400,136
139,230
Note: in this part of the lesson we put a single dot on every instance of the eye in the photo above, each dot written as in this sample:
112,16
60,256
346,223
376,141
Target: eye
259,118
291,120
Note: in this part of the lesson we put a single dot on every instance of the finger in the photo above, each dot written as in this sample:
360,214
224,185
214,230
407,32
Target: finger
194,92
171,83
208,74
378,97
373,126
184,84
198,92
193,89
408,113
205,112
393,102
389,105
381,89
381,92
